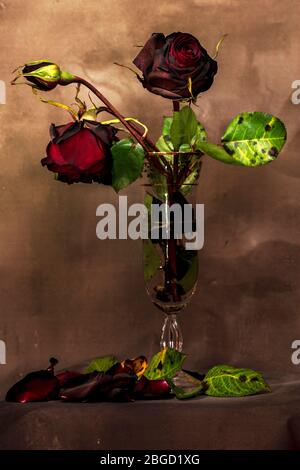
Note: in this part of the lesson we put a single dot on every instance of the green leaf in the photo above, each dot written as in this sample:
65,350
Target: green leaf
184,127
165,364
192,178
185,148
189,279
102,364
185,386
192,132
217,152
128,162
163,146
167,123
164,143
200,135
151,259
254,139
228,381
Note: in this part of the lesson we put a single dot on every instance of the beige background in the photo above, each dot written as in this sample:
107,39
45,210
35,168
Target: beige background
65,293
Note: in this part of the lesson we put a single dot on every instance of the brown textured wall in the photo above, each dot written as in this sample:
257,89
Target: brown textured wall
65,293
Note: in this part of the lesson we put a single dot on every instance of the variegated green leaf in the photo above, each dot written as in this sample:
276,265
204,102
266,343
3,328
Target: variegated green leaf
228,381
254,139
217,152
165,364
200,136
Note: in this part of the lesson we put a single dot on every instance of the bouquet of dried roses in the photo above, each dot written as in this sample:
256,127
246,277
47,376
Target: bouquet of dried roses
177,68
88,149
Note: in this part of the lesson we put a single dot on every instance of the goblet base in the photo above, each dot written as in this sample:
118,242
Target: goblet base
171,336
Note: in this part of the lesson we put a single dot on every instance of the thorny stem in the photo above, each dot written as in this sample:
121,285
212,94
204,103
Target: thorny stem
173,176
147,145
171,244
176,106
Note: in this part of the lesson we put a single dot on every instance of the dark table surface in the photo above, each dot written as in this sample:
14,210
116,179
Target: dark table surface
268,421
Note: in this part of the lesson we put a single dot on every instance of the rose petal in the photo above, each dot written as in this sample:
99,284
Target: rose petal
145,57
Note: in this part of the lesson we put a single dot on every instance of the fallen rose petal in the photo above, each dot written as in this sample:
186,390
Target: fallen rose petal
151,389
37,386
82,388
66,376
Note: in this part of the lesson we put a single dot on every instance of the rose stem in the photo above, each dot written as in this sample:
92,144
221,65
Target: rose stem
176,108
144,142
171,243
176,105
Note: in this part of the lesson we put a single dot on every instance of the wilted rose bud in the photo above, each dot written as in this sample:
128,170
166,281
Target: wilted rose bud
43,75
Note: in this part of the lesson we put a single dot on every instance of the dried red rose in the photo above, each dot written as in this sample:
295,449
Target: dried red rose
176,66
80,152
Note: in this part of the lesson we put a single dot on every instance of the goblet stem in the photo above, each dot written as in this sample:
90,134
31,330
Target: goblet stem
171,336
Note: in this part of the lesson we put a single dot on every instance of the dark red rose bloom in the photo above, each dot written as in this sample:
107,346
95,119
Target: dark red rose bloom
80,152
170,63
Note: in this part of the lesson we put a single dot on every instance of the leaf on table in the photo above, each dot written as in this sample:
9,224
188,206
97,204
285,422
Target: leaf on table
165,364
101,364
228,381
185,386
